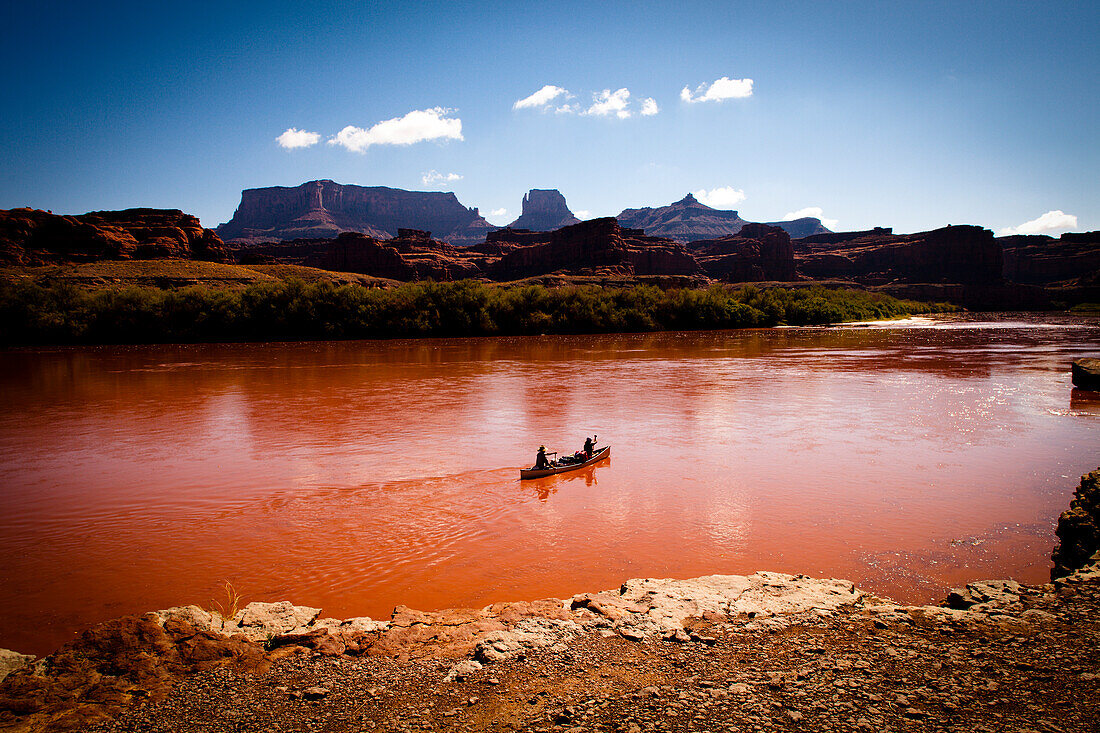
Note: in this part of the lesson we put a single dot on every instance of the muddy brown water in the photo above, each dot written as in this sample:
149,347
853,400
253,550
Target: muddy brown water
354,476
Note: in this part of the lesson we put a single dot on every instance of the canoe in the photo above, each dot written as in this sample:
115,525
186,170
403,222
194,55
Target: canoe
598,456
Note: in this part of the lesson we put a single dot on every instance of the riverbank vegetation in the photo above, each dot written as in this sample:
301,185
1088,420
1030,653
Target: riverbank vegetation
62,313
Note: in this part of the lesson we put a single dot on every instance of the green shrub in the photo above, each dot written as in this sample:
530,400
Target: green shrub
298,310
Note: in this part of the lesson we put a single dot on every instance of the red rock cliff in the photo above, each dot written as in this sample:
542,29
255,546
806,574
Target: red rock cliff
1073,259
954,254
324,209
756,253
599,245
34,237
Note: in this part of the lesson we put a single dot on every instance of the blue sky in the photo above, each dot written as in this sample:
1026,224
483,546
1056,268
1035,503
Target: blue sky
913,116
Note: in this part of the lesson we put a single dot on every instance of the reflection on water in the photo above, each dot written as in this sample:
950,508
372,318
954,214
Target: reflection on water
546,486
909,456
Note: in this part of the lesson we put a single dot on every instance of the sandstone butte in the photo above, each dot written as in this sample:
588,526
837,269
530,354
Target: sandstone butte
320,209
324,209
544,210
767,651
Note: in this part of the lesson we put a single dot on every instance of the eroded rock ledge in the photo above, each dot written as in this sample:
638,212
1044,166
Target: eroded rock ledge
135,658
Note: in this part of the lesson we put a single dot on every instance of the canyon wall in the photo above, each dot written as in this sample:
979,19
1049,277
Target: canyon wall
599,246
953,254
758,252
1072,259
35,237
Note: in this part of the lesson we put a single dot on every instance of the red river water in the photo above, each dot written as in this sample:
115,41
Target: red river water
909,457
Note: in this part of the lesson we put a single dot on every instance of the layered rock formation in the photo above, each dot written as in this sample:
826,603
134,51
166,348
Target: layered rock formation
599,246
1078,528
411,255
544,210
34,237
324,209
807,226
1086,374
683,221
954,254
756,253
1072,259
688,220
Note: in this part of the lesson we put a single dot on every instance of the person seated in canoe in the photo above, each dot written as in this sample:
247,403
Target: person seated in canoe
541,460
589,445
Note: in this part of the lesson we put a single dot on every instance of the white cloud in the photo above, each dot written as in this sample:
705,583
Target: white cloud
649,107
295,138
610,102
1048,222
434,176
814,211
568,109
582,214
541,98
417,126
498,217
718,90
720,198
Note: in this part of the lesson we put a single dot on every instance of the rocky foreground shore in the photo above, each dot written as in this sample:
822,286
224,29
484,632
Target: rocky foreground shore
732,653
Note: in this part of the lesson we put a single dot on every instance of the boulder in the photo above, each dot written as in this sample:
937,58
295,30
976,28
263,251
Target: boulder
1085,374
985,596
198,617
650,607
108,667
1078,528
262,621
11,661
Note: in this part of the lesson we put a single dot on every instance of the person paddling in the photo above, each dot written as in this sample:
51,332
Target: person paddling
589,445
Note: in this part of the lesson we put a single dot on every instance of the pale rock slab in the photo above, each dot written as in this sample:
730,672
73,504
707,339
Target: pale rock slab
198,617
11,661
261,621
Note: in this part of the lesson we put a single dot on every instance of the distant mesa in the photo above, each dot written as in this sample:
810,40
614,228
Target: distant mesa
684,221
324,209
35,237
807,226
544,210
689,220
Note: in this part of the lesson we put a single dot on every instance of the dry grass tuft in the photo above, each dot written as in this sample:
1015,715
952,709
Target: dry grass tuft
232,603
